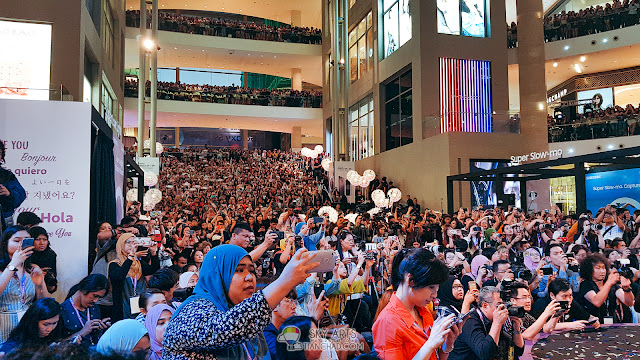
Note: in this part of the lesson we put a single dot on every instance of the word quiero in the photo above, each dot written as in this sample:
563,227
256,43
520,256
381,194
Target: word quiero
536,156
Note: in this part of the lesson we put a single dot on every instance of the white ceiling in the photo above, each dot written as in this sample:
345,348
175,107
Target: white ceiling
279,10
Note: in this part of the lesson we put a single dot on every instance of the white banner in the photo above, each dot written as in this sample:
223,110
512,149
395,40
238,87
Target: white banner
118,173
48,147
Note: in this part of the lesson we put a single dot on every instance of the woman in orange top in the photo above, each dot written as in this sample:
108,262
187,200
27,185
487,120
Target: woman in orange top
405,329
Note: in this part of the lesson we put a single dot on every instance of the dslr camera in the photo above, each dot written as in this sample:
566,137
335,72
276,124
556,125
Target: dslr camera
506,287
521,272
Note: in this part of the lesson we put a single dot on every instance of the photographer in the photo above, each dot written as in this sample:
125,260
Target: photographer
573,317
604,293
519,296
502,270
558,262
482,332
589,234
612,225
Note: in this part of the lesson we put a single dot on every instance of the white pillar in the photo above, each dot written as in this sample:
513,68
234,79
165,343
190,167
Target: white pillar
142,78
154,78
296,79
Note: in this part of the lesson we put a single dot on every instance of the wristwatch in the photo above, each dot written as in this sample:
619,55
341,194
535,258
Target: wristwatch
12,268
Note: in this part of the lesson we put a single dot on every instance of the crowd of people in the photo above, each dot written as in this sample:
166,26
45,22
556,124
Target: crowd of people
591,20
229,94
212,26
223,268
600,123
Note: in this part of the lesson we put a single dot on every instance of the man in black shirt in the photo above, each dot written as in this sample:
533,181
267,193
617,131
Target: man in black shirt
576,318
481,332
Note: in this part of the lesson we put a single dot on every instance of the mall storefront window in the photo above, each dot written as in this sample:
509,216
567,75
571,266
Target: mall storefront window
396,21
361,48
361,129
398,111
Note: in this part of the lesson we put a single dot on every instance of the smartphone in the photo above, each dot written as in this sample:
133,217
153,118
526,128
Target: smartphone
472,285
27,242
570,255
460,318
279,235
592,321
191,232
326,259
318,220
547,271
317,290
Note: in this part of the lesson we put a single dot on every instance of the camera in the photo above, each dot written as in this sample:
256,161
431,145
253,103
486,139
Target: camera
564,307
182,294
456,271
477,228
506,288
521,272
596,227
622,265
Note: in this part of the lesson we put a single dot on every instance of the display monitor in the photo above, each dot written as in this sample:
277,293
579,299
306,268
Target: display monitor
601,99
484,192
617,187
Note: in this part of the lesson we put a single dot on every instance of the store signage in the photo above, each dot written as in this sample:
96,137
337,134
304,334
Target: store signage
54,172
556,96
533,156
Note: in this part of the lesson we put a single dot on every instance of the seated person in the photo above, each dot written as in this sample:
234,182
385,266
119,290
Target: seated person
575,318
600,293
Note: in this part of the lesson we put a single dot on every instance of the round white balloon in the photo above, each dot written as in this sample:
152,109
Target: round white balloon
132,195
150,178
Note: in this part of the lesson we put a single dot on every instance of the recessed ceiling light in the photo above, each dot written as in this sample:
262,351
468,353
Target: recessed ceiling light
604,40
566,47
555,64
577,68
175,48
583,58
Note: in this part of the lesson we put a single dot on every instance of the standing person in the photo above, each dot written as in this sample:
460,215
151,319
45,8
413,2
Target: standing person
226,316
156,324
481,333
80,312
12,194
126,274
405,328
39,327
18,288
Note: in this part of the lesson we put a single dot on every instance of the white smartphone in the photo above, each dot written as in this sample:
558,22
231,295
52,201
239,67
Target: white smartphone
327,261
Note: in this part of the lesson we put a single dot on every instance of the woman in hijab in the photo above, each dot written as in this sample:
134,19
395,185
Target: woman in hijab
532,259
156,323
188,279
43,255
225,317
479,274
124,337
452,294
127,273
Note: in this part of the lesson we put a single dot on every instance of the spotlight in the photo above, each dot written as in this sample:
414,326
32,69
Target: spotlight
604,41
571,150
610,147
583,58
555,64
148,44
566,47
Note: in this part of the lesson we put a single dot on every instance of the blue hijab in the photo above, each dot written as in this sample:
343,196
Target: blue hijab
216,273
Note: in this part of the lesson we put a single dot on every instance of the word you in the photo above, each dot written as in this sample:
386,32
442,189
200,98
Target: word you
536,156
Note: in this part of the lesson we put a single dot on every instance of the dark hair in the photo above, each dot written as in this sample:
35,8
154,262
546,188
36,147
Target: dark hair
36,231
515,285
2,152
127,220
558,285
91,283
422,265
488,252
303,324
617,241
143,300
240,227
498,263
6,235
164,279
586,266
551,245
26,334
27,218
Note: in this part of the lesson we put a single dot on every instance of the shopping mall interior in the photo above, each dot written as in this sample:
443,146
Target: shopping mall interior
518,104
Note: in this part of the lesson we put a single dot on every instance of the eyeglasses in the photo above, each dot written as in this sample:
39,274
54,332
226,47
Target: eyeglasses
528,297
456,287
289,301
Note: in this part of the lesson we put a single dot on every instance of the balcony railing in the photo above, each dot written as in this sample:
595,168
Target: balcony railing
54,92
584,22
230,95
596,129
214,26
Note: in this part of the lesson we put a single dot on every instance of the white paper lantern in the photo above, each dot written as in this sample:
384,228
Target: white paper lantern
313,154
374,211
351,175
369,174
331,212
319,149
384,203
148,207
159,148
365,182
351,218
132,195
326,164
150,178
377,195
155,195
394,195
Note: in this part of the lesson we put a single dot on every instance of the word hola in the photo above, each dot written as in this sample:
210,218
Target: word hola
55,218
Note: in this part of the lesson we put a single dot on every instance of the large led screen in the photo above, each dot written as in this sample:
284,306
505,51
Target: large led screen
462,17
613,187
397,24
601,99
484,192
465,95
25,60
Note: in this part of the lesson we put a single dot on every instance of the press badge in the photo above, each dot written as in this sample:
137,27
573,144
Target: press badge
134,304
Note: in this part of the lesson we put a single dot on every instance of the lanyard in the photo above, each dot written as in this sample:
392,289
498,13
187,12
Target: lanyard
78,314
23,287
135,283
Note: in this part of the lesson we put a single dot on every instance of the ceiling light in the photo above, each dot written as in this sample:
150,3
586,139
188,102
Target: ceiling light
583,58
148,44
566,47
610,147
555,64
571,150
540,106
604,41
577,68
175,48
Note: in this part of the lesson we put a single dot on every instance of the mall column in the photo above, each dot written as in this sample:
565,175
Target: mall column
296,138
296,79
141,77
245,139
154,78
296,18
533,89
